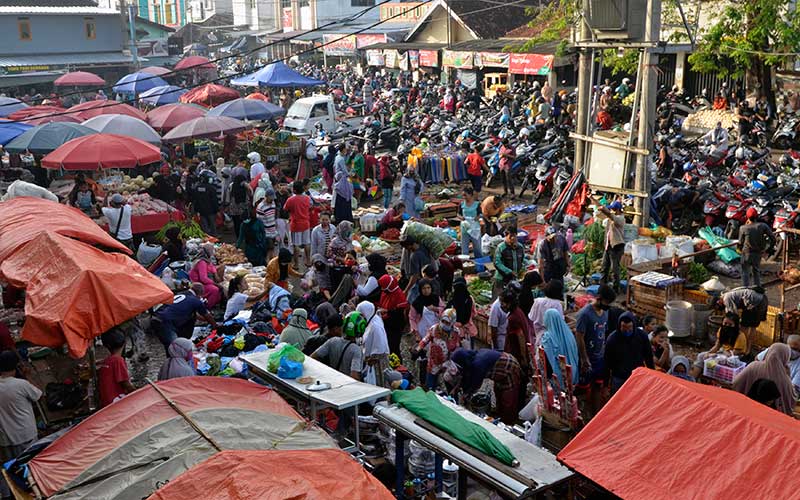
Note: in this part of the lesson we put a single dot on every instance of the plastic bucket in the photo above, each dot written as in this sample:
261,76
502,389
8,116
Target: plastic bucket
680,317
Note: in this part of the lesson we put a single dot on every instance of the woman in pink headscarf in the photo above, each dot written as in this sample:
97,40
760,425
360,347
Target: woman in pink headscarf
205,272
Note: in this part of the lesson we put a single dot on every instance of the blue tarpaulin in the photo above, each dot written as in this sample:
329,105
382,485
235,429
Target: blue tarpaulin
276,74
9,130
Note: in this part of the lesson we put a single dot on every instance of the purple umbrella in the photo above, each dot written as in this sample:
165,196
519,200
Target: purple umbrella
205,127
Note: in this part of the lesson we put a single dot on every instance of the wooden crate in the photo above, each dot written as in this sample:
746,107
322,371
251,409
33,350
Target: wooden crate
698,297
482,325
769,331
646,300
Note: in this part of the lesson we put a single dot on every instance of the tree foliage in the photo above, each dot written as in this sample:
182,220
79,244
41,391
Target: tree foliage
552,23
627,64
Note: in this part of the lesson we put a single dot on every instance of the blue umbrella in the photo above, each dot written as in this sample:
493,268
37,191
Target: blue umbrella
165,94
47,138
247,109
9,105
136,83
10,130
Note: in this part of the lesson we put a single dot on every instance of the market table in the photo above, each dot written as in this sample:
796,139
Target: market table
537,471
345,391
151,222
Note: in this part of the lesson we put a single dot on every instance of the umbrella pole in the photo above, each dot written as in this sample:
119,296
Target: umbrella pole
93,399
186,417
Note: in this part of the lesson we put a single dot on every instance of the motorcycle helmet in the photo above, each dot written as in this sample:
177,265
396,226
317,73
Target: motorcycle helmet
741,154
786,160
550,135
523,133
465,134
688,166
354,325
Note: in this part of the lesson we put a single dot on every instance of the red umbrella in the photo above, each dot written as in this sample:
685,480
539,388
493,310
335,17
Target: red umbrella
210,95
90,109
195,62
42,109
258,96
165,118
155,70
45,118
206,127
96,151
78,79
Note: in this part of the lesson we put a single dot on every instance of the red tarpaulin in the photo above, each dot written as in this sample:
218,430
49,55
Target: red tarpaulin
661,437
194,62
276,474
90,109
22,219
139,443
530,64
75,292
97,151
209,95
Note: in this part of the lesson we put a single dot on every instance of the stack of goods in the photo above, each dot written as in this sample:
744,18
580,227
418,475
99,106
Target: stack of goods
422,461
217,352
229,255
376,245
649,292
723,369
707,119
143,204
253,275
436,167
434,239
480,290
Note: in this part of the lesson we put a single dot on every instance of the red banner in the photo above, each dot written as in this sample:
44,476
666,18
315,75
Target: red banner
367,40
429,58
287,18
530,64
339,45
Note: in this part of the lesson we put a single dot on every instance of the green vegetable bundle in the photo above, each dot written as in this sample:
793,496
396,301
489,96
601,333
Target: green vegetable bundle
188,229
594,235
434,239
479,289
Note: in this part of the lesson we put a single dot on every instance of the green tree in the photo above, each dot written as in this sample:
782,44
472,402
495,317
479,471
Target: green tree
748,39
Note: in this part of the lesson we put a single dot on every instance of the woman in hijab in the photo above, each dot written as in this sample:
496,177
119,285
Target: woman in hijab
393,306
408,192
252,239
174,245
425,301
558,340
341,243
775,367
462,302
376,268
179,362
376,344
501,367
343,189
297,332
680,367
279,269
441,341
205,272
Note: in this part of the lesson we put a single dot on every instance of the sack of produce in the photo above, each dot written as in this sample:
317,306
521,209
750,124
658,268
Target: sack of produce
726,255
288,351
434,239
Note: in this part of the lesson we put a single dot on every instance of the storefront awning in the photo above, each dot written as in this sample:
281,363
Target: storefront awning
25,79
48,62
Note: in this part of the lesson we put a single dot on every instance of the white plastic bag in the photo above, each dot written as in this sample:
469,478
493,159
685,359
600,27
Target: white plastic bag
533,432
532,415
370,377
532,410
20,188
429,318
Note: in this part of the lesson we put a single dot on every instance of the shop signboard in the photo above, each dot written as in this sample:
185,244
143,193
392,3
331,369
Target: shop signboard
363,41
493,59
429,58
375,58
391,58
339,44
286,19
413,59
457,59
530,64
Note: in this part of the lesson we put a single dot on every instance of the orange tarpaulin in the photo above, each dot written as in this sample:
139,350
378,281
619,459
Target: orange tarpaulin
661,437
75,292
22,219
323,474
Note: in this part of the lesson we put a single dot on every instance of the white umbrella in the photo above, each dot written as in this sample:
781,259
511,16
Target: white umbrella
124,125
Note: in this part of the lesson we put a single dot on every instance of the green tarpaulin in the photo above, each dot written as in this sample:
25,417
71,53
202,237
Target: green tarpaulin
427,406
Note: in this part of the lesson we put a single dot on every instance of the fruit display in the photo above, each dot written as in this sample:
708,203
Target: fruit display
229,255
391,234
707,119
126,185
143,204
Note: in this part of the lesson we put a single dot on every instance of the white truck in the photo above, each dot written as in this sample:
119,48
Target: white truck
304,114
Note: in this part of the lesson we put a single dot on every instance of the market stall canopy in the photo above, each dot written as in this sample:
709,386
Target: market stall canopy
209,127
45,118
22,219
43,139
124,125
74,292
209,95
139,443
277,74
90,109
98,151
663,437
156,70
10,130
248,109
170,116
195,62
9,105
164,94
258,96
245,475
78,79
138,82
31,111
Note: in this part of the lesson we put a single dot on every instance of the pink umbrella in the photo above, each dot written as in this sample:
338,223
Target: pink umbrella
45,118
195,62
42,109
206,127
97,151
165,118
210,95
155,70
79,79
90,109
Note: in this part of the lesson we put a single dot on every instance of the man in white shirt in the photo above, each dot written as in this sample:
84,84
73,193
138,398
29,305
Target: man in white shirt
256,167
118,213
498,324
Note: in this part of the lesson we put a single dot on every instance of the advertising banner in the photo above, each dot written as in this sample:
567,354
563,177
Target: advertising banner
494,59
429,58
457,59
339,45
530,64
367,40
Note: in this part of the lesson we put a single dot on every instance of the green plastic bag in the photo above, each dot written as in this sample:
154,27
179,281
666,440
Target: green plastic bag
726,255
288,351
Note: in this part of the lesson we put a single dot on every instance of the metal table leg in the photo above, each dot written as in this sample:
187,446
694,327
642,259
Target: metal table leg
358,442
399,465
462,484
437,472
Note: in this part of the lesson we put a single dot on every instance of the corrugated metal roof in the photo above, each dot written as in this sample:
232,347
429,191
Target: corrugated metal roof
97,11
65,59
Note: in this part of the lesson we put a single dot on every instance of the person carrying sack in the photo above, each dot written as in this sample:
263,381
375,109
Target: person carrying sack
119,214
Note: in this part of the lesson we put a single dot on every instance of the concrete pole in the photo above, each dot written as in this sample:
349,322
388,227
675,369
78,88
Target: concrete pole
132,26
648,109
584,87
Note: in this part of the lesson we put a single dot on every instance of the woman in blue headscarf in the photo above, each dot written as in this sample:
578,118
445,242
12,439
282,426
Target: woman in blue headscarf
559,340
343,191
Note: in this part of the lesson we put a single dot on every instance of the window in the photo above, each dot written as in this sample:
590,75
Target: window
285,4
252,4
168,19
319,110
24,25
91,28
157,13
362,3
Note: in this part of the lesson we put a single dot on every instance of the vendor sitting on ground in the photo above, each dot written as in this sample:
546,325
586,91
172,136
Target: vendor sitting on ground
205,273
180,360
662,350
297,332
393,217
277,299
793,341
178,319
731,341
279,269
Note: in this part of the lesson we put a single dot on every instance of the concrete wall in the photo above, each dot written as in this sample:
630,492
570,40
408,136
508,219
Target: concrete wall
332,10
60,34
435,31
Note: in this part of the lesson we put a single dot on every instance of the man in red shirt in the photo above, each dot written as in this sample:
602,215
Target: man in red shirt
299,207
112,376
476,165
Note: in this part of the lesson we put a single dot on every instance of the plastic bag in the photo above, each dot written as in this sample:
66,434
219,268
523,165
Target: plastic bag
287,351
370,377
290,369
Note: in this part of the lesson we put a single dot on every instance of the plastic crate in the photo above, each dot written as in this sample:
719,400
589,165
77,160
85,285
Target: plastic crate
721,373
369,222
480,263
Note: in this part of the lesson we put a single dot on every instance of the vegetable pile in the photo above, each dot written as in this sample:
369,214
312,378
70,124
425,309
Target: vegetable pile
188,229
481,291
391,234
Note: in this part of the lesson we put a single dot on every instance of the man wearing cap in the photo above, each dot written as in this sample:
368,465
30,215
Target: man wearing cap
118,213
614,242
17,419
553,254
754,239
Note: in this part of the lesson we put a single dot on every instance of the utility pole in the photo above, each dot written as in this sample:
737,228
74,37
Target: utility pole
132,25
647,107
584,86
